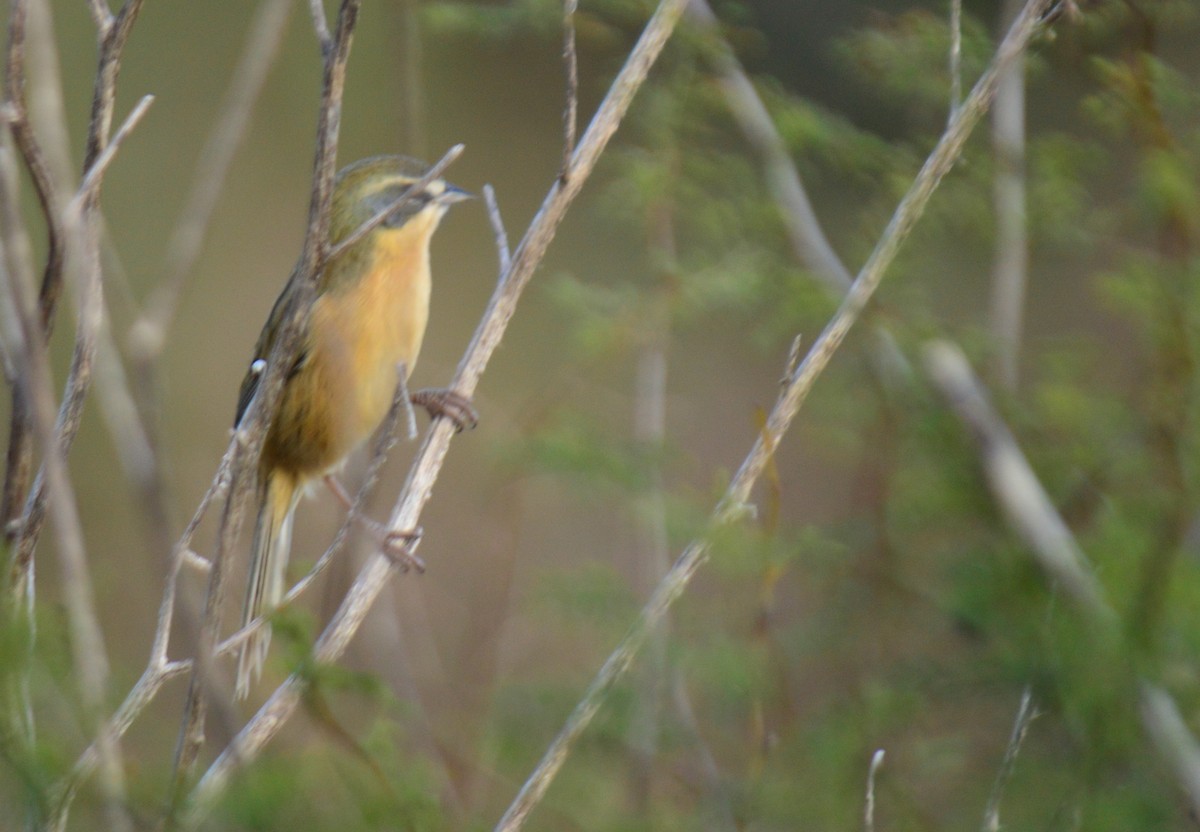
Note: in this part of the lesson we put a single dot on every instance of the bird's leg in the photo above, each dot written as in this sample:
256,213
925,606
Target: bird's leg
442,401
396,545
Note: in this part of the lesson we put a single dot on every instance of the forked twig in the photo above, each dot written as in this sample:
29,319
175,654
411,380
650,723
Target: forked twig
95,173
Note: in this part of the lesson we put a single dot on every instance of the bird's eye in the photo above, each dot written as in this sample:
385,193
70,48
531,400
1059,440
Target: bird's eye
409,208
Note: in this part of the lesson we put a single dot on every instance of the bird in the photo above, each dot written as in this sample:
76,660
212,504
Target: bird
367,319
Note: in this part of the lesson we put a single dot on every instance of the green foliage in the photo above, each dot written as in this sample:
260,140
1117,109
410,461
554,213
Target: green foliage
906,56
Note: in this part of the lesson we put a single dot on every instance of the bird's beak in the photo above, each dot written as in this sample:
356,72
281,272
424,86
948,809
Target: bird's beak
453,194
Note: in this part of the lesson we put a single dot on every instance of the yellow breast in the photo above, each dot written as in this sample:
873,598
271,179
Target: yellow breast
361,332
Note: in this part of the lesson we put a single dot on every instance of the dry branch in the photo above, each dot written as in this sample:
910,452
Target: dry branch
1010,271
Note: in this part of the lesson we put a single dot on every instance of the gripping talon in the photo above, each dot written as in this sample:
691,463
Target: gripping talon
398,548
442,401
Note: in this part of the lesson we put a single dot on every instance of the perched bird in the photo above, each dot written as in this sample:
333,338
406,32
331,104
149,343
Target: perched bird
368,318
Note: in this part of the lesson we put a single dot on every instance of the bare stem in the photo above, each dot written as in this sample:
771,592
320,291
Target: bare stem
869,810
571,60
955,57
493,211
1010,272
1026,713
251,431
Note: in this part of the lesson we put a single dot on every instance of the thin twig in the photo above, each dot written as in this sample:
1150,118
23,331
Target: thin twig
112,45
89,657
1033,517
95,173
955,58
229,482
497,222
19,455
1010,270
148,333
320,25
571,60
1027,712
158,669
81,235
869,810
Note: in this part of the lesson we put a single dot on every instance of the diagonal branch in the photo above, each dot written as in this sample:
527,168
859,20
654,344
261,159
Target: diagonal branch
734,502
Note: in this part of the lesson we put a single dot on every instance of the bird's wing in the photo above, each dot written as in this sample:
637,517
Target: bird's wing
262,350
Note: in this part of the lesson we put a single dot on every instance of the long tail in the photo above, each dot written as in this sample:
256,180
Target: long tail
277,499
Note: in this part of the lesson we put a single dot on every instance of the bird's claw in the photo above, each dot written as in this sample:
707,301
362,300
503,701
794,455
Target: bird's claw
398,547
442,401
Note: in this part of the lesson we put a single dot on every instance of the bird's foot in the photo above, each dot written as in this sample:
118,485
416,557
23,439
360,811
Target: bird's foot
397,546
442,401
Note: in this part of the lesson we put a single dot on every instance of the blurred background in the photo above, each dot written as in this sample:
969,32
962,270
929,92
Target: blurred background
875,600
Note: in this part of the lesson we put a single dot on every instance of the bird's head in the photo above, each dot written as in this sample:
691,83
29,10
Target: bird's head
366,187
